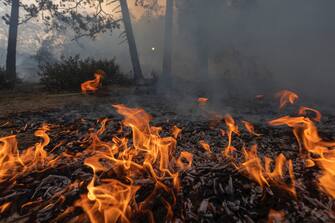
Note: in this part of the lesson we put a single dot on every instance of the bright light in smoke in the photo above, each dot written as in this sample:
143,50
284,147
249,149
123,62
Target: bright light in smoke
153,48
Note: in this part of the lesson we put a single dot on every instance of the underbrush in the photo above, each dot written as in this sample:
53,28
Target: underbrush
70,72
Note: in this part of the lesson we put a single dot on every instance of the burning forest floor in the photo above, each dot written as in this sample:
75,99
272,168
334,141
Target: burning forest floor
80,159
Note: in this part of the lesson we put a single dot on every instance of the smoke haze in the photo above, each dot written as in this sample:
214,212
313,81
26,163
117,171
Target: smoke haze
253,47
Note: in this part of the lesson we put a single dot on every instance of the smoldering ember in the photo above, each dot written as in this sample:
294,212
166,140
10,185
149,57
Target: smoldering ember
191,111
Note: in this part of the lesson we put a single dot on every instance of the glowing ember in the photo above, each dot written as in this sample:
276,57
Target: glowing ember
92,86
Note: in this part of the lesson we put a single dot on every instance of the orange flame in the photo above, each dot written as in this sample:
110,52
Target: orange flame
232,128
4,207
303,110
205,146
184,156
12,162
149,155
250,128
263,175
175,131
92,85
286,97
309,141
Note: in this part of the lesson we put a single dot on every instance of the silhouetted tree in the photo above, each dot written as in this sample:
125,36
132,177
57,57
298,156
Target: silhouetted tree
167,58
138,75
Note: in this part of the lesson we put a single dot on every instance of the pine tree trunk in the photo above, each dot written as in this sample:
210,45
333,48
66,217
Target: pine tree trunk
12,42
138,75
167,59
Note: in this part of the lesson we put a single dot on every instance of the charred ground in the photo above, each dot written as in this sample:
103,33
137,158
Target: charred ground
212,190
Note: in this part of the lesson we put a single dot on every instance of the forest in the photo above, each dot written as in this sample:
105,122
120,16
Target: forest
119,111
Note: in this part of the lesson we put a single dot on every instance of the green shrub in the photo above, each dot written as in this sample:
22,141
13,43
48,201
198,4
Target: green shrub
69,73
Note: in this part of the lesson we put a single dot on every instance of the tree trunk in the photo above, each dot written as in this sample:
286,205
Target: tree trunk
167,58
138,75
12,42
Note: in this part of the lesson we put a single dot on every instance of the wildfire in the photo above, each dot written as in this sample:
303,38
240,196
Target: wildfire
93,85
122,166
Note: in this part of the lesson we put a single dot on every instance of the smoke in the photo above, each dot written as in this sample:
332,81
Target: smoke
253,47
289,42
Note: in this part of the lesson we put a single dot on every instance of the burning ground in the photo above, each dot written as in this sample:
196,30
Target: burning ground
137,159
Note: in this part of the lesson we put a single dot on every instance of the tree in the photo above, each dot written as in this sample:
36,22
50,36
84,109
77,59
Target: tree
167,58
12,42
138,75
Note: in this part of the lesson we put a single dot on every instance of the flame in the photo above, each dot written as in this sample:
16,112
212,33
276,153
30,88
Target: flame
250,128
262,173
185,156
175,131
232,128
13,163
111,201
4,207
303,110
92,85
205,146
148,159
276,216
286,97
310,142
